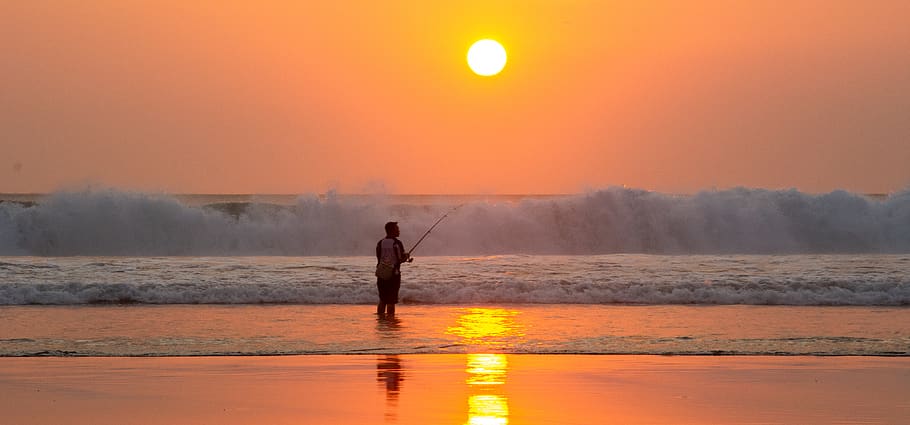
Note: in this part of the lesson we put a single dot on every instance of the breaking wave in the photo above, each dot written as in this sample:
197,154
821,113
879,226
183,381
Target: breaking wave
467,293
614,220
861,280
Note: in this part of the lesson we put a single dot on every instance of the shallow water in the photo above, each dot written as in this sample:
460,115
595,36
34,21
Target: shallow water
592,304
193,330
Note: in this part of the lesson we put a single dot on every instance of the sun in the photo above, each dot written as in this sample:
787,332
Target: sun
486,57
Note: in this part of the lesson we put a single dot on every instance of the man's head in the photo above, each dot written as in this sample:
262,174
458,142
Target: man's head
391,229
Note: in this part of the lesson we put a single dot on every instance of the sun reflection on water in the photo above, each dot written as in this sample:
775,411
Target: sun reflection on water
488,410
488,329
486,375
487,369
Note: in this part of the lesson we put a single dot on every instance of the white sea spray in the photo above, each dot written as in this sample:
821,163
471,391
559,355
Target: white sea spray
838,280
614,220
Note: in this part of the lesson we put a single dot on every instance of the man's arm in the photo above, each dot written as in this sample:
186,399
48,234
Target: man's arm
399,252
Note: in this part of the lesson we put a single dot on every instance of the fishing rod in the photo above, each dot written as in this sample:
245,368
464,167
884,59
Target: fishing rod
431,229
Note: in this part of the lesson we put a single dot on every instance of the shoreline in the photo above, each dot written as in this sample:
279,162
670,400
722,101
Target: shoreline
455,388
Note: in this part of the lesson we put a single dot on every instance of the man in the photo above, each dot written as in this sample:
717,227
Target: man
389,255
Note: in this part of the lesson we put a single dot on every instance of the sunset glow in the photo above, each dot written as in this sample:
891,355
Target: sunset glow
288,97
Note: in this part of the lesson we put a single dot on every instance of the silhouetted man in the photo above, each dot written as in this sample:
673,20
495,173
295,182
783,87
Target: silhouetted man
389,256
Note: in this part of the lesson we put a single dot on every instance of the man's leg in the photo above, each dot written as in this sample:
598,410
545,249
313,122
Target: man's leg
393,288
380,308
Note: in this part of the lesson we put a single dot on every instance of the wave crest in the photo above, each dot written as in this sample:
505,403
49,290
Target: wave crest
614,220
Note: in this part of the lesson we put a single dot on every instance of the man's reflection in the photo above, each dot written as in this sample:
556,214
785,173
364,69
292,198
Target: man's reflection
390,376
388,327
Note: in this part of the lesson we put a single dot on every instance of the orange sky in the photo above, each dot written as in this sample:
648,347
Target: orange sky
304,96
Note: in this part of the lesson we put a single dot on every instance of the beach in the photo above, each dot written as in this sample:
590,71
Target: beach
456,389
134,309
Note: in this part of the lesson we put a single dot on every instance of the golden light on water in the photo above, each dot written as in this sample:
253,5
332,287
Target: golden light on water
487,369
486,376
488,327
488,410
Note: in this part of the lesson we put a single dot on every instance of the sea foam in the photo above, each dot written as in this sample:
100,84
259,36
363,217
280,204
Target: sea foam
864,280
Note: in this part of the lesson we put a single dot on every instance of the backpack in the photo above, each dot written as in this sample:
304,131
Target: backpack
385,271
388,259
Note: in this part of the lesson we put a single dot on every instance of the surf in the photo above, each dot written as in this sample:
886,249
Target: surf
612,220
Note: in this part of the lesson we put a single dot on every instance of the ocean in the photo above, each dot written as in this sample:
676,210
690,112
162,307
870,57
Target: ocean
615,271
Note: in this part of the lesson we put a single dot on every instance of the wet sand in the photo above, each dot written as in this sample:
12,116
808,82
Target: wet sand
455,389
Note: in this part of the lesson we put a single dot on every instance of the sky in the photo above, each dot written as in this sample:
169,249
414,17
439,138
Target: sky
376,96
